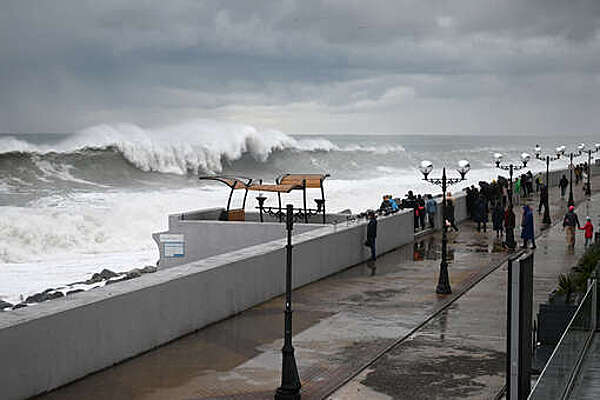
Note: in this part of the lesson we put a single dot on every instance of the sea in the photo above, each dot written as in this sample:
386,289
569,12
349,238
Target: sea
75,203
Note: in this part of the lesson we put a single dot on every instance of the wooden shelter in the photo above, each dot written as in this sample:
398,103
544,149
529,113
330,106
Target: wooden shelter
234,183
284,184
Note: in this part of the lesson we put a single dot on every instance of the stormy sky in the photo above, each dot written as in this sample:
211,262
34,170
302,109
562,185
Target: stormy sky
303,66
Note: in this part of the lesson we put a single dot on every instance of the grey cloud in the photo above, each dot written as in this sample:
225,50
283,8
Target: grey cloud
300,65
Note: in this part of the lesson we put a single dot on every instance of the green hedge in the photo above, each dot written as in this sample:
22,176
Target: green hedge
575,282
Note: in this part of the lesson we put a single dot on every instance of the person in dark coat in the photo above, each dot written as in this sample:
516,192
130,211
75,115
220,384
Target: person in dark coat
371,234
527,227
469,199
509,225
449,214
570,224
498,219
564,182
543,198
481,213
529,182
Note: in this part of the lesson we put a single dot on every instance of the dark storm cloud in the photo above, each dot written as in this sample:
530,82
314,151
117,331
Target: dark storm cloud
303,65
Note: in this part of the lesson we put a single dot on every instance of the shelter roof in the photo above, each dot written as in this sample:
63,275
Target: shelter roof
312,180
234,182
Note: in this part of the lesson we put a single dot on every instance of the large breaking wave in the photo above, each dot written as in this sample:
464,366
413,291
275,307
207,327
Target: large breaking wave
201,146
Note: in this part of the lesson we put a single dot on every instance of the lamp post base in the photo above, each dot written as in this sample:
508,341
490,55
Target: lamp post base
443,286
546,219
290,385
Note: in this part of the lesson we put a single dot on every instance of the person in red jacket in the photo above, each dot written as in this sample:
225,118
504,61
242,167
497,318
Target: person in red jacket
589,231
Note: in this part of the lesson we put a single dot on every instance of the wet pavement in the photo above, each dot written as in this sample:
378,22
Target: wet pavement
460,354
426,346
588,384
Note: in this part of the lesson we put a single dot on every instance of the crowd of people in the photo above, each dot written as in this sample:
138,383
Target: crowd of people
425,208
490,200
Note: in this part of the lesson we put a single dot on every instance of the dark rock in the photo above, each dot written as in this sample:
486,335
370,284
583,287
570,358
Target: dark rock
4,304
55,295
20,305
148,269
70,292
111,281
105,274
37,298
44,296
134,273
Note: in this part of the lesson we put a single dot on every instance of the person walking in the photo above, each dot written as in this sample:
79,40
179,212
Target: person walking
431,207
509,225
543,198
517,191
570,222
563,183
527,233
529,176
450,214
422,212
589,231
524,186
498,219
481,213
372,234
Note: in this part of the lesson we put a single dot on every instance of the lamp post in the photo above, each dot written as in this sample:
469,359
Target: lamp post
261,203
443,286
525,157
549,159
588,188
290,380
580,149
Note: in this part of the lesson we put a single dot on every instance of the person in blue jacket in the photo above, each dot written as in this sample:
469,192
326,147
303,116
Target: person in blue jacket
431,208
527,227
393,203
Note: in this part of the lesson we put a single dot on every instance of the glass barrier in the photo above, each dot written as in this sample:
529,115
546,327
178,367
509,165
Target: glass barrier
558,373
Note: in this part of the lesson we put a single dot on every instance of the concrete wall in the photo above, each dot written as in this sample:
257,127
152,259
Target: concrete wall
204,238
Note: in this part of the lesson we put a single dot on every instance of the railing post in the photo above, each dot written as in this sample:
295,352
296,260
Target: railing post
519,321
595,305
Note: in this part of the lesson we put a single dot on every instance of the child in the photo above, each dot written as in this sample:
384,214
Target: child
589,231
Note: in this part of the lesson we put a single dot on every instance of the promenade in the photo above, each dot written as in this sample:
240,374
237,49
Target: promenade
375,334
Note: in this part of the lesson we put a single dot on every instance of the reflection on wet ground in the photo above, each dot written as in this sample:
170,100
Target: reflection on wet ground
340,324
460,354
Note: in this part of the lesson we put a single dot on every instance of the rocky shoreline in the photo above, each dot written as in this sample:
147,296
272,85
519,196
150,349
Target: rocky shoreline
99,279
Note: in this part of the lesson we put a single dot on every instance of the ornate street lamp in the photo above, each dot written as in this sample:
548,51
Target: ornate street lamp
525,157
538,154
290,380
580,149
443,286
588,187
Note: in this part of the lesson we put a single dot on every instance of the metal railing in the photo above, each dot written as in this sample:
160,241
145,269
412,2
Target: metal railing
556,380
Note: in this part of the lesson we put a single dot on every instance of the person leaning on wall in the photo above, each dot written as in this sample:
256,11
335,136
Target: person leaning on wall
371,233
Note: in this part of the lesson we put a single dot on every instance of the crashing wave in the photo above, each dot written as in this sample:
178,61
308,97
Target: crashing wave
199,146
